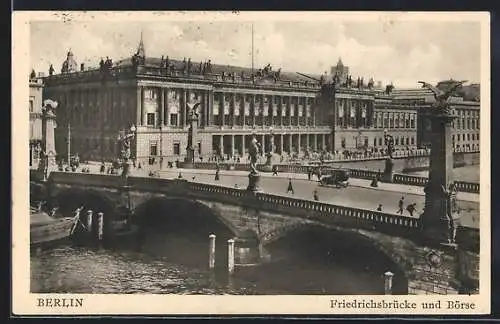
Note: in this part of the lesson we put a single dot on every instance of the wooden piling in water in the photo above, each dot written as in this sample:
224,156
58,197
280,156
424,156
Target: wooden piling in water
211,251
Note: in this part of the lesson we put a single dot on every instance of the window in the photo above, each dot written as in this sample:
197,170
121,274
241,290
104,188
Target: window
173,120
458,137
366,141
477,136
151,119
463,137
380,141
468,123
453,138
150,94
397,141
153,149
468,137
374,141
473,137
177,149
407,141
199,148
342,142
413,141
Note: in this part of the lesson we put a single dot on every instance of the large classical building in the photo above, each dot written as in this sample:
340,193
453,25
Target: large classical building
303,114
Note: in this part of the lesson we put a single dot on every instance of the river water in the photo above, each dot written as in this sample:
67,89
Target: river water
68,268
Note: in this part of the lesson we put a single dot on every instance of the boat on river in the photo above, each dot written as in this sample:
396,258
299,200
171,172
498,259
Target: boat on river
47,229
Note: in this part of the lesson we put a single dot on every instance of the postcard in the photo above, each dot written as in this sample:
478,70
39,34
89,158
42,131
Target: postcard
257,163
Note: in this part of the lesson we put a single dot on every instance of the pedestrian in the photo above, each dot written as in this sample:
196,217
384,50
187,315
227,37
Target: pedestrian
275,170
103,168
400,206
379,208
411,208
309,173
179,176
374,182
318,173
290,187
217,176
315,195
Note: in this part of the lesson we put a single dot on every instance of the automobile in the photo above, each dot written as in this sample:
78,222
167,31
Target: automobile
336,177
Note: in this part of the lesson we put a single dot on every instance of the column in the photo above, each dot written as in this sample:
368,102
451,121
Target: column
298,144
139,106
297,113
233,109
290,143
263,142
232,145
222,110
252,101
315,142
308,145
243,145
313,111
210,107
281,143
166,121
243,117
221,144
162,107
184,108
323,142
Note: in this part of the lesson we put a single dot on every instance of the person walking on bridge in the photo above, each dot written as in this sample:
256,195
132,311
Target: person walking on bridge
315,195
400,206
411,208
290,186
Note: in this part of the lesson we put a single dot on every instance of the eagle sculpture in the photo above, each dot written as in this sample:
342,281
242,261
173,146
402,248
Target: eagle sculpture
442,96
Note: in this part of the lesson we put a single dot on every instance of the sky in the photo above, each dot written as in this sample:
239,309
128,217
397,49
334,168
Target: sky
398,52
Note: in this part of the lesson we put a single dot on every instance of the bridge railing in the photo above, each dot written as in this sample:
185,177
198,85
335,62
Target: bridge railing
313,210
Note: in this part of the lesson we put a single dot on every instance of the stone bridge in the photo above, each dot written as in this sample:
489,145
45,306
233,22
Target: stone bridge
257,220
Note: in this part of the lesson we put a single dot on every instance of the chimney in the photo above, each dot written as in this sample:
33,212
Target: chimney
82,67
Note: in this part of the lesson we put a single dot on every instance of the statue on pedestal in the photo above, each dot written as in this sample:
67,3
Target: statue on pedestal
389,163
192,131
125,142
253,176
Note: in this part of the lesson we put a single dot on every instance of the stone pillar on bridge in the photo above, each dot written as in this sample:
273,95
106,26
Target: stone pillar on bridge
440,212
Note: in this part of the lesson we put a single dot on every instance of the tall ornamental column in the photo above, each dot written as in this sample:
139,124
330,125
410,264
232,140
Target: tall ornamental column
440,216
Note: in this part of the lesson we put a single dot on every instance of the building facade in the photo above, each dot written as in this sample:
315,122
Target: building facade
35,113
234,102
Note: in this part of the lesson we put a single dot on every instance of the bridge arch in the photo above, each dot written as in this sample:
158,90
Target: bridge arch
179,229
382,253
68,200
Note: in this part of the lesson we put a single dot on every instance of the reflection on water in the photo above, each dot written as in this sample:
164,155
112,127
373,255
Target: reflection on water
176,265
